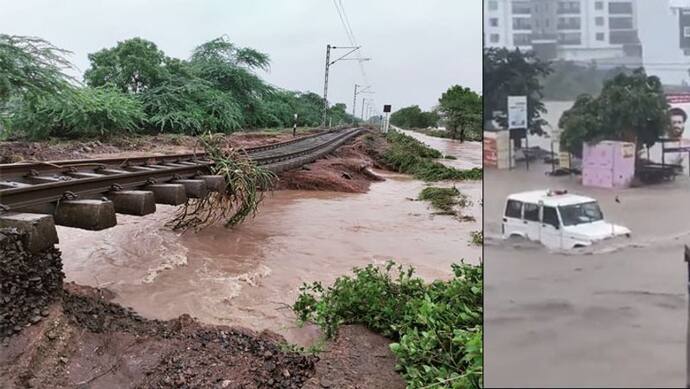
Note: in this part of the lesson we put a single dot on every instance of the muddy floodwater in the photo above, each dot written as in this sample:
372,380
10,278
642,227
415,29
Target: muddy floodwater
249,275
610,315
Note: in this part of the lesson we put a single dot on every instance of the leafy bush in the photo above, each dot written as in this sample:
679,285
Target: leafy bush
407,155
437,326
190,107
444,199
83,112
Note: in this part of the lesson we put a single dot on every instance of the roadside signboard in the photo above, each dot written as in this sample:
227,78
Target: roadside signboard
387,108
517,112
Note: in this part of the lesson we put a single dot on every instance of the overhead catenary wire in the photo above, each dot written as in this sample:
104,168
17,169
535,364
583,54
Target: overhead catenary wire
344,20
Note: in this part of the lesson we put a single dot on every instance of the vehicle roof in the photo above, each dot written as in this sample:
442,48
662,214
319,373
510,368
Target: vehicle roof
553,200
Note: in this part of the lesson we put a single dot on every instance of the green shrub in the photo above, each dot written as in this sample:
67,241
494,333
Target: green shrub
83,112
443,199
437,326
408,155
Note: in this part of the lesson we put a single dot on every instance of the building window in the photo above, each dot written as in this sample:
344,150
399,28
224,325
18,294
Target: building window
568,7
623,37
601,36
522,39
625,23
493,5
494,38
521,24
569,23
493,22
569,38
521,7
599,5
621,7
599,20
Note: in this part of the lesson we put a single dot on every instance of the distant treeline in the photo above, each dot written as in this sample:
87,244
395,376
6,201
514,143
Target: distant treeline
134,87
459,110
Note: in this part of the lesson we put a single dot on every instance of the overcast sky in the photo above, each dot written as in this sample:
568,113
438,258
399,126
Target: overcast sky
418,48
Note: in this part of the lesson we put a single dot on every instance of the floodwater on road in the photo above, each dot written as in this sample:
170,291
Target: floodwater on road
250,274
611,315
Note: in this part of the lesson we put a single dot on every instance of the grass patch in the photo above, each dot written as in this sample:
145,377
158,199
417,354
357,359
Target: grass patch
437,327
408,155
444,199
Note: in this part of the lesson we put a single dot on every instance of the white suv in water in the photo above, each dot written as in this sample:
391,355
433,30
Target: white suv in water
557,219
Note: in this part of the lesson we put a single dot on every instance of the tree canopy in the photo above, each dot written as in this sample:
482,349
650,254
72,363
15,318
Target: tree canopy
631,107
132,66
134,87
31,66
414,117
461,110
514,73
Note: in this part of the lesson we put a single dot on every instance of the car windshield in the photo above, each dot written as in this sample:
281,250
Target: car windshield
580,213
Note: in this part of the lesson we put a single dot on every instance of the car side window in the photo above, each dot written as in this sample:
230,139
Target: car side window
550,216
531,212
514,209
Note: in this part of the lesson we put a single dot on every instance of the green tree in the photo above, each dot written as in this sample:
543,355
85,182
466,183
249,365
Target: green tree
223,51
461,108
231,70
514,73
631,107
133,65
414,117
85,112
190,106
31,66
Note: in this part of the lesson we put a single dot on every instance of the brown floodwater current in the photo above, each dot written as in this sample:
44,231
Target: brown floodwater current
249,275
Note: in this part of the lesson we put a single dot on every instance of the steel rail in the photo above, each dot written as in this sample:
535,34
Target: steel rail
30,195
63,166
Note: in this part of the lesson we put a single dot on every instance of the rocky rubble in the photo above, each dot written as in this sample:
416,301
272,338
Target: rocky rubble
28,282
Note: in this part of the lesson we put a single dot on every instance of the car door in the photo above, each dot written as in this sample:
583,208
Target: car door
551,231
512,219
530,220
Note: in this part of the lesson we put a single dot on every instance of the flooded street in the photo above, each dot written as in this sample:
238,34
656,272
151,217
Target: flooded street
249,275
611,315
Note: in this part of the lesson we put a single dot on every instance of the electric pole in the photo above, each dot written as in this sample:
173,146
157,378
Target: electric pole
328,65
354,102
363,100
325,85
361,91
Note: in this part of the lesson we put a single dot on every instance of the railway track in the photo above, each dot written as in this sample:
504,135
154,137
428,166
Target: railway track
90,192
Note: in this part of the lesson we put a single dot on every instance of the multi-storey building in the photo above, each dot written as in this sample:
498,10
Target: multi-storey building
575,30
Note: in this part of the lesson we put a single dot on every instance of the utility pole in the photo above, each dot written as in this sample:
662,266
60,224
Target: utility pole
325,84
328,65
354,102
361,91
363,100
